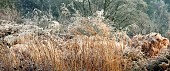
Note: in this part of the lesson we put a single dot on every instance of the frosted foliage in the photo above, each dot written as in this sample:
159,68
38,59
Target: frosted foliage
150,44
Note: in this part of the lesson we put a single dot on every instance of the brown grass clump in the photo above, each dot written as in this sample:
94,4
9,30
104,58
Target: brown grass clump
80,53
94,53
150,44
38,54
25,50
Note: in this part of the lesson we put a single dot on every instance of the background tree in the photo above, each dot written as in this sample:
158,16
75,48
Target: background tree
119,13
133,16
7,3
159,15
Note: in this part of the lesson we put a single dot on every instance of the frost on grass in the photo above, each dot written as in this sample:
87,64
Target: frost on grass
89,45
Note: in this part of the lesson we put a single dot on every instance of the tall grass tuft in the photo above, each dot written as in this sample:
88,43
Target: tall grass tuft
53,53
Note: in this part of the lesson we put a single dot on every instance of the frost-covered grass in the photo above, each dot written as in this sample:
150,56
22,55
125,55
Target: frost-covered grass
30,47
76,43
